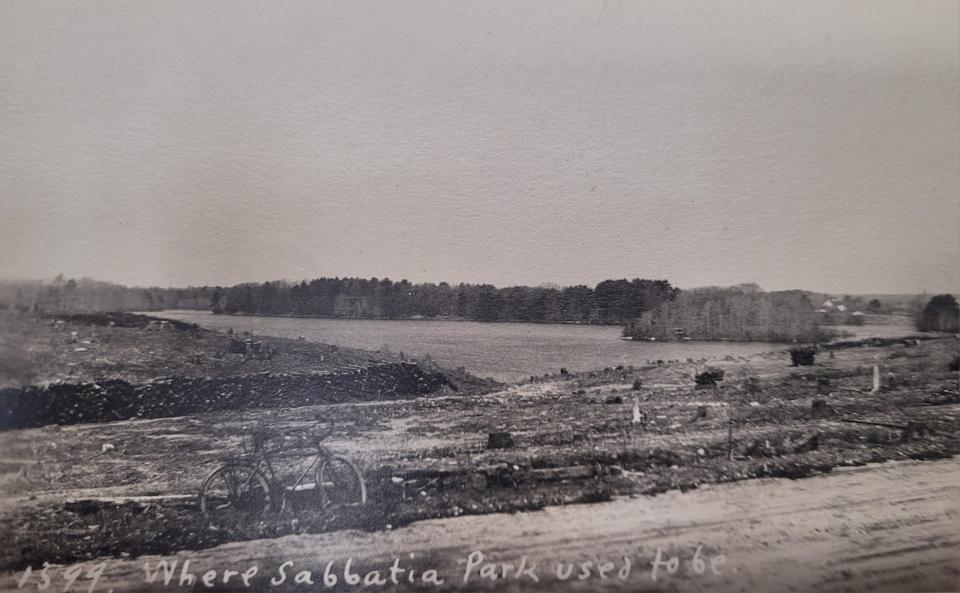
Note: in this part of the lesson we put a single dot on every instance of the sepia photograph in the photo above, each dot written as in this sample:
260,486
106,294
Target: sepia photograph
479,296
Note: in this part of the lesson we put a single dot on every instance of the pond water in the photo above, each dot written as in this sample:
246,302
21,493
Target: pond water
504,351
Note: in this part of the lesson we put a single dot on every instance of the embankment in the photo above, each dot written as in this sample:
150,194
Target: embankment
116,399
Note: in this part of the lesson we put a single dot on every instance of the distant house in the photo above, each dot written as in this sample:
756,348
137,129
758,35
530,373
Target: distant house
827,305
842,308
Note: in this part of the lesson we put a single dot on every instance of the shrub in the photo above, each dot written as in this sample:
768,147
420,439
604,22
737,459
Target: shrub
802,357
708,377
941,314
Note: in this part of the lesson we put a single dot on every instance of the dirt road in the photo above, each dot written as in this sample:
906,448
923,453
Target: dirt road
888,527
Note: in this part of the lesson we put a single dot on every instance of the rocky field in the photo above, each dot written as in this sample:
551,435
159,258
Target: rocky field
127,488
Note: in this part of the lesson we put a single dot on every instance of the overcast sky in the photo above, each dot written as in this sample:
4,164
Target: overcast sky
793,144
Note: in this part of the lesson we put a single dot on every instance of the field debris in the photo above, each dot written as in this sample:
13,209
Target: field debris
708,378
516,448
500,440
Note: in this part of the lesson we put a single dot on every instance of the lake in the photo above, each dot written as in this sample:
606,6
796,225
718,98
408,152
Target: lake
504,351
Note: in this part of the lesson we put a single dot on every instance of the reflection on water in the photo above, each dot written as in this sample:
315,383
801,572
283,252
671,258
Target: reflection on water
504,351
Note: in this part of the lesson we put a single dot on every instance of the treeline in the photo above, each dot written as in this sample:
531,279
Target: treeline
743,312
611,301
67,295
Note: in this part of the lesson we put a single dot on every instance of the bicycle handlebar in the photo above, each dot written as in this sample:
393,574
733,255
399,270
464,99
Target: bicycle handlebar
262,436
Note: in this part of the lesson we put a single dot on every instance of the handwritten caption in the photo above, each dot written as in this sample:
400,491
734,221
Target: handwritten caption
476,566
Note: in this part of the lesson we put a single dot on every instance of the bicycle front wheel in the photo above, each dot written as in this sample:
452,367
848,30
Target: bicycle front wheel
234,489
340,483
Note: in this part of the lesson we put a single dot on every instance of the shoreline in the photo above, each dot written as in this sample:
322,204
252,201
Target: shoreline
456,319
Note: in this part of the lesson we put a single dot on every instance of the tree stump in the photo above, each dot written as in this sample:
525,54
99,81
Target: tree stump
914,430
500,440
823,386
820,409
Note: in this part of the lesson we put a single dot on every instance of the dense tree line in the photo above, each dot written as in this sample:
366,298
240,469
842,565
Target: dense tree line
743,312
611,301
64,295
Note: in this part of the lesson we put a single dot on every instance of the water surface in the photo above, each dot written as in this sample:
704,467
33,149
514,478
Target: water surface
504,351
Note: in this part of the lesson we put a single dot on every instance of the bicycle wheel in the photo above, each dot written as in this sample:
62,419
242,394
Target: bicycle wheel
235,489
340,483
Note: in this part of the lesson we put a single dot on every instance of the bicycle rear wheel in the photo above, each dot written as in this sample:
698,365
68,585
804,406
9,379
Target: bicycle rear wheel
340,483
234,489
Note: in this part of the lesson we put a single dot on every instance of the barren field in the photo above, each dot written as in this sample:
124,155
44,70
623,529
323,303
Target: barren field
889,527
127,489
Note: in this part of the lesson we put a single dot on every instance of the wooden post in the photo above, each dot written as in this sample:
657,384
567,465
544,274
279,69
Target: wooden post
730,439
876,379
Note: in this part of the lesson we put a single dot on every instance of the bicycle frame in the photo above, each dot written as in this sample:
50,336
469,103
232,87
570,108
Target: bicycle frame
262,458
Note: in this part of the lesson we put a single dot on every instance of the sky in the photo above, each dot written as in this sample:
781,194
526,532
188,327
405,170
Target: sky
793,144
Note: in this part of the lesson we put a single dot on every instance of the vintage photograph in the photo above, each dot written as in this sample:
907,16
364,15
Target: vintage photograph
458,295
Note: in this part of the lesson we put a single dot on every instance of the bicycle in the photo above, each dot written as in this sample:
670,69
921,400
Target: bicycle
251,486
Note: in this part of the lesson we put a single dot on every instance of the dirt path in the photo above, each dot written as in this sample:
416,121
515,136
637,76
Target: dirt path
889,527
